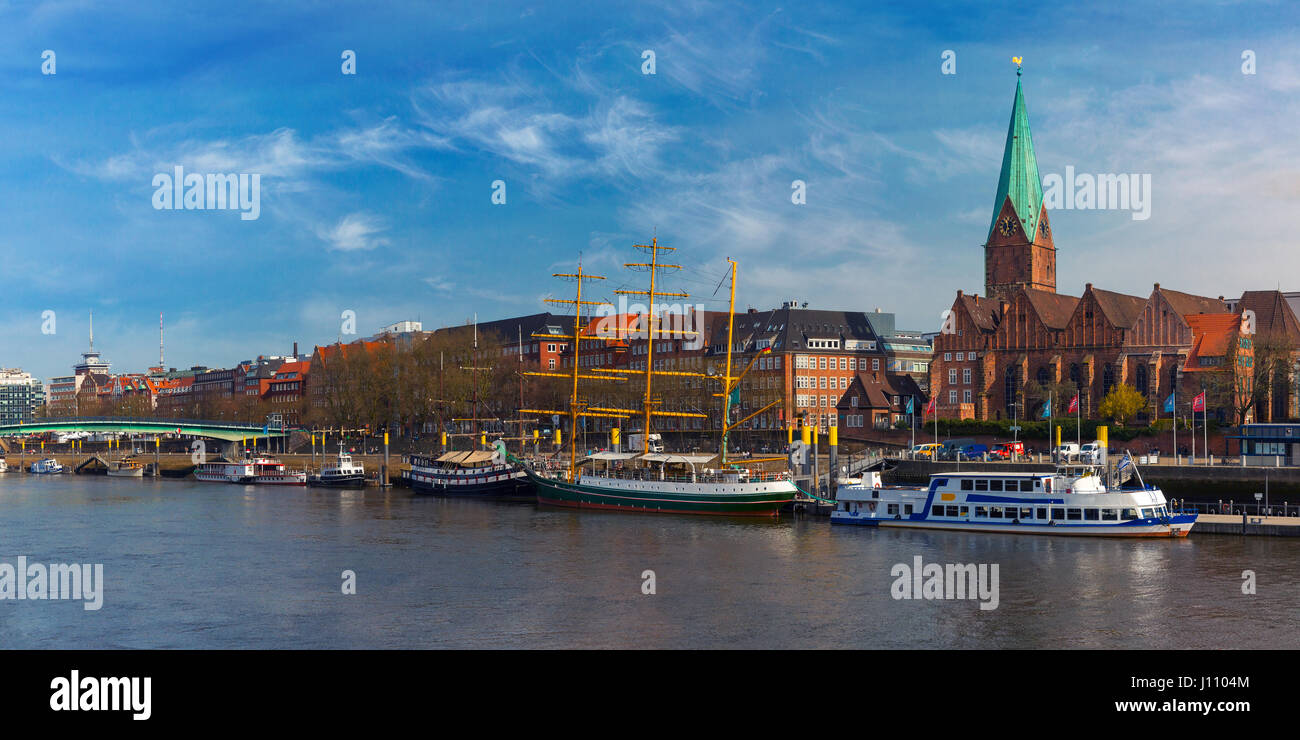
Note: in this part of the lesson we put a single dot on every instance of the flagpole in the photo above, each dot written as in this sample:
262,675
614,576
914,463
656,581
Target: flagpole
1193,410
1174,411
1205,424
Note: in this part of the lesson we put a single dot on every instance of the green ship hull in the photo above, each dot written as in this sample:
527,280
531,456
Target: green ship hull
587,496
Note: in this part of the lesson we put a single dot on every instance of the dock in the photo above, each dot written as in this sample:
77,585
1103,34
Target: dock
1270,526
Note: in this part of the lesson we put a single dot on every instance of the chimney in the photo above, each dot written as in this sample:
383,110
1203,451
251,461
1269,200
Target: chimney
959,292
1088,286
295,350
1157,286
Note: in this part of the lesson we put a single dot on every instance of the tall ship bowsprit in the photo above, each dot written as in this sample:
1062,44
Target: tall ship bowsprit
658,482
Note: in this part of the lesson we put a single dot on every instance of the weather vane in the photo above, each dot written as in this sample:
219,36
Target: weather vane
1017,61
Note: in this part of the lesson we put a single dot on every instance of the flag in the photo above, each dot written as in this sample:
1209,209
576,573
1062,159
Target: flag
1127,461
765,350
1047,409
1198,403
1074,404
929,407
909,406
735,397
1169,403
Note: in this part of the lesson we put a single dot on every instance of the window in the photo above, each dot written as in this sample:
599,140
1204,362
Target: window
853,363
995,512
982,511
952,396
1042,513
966,396
981,485
1026,485
961,356
952,376
936,510
951,511
875,364
550,348
967,484
947,357
821,363
1058,514
1091,515
995,485
550,364
844,384
844,363
965,376
1128,514
1073,515
1109,515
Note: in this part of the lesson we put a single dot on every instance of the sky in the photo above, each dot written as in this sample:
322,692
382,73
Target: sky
376,188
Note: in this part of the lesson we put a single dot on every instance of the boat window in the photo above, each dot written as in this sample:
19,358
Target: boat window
1128,514
967,484
893,509
1038,483
981,485
1148,513
1074,515
907,509
936,510
995,512
981,511
1091,515
1109,515
1026,485
1009,485
1058,513
1042,513
1026,512
995,485
965,511
952,511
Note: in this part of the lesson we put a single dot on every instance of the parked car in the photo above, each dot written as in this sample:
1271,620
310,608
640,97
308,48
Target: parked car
972,452
1005,450
926,450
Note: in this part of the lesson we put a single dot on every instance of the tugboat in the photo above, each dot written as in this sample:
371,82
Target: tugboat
659,482
47,466
340,473
1076,500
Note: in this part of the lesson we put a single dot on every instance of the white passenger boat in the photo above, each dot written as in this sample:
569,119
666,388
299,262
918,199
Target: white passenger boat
1075,500
342,472
47,466
257,470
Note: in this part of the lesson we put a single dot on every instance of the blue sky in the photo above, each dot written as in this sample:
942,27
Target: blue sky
376,188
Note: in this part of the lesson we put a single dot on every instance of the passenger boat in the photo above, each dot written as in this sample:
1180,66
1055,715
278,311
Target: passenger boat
659,482
4,466
47,466
1075,500
253,469
126,468
469,473
341,472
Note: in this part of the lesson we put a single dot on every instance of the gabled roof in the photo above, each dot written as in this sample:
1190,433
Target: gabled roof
1274,319
1120,309
983,311
1186,303
876,391
1212,334
1053,309
1019,178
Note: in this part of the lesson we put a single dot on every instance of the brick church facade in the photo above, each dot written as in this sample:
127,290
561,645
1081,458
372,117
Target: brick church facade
1021,332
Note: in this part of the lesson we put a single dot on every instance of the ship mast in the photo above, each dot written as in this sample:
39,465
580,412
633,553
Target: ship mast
576,407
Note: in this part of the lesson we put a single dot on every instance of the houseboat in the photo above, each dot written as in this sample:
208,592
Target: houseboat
1076,500
478,473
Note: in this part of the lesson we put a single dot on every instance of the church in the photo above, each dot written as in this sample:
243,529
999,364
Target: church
998,350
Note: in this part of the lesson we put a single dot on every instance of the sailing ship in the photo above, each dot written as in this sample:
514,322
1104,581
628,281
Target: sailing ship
658,482
1075,500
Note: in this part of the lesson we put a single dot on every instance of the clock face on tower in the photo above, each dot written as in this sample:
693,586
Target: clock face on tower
1007,226
1042,226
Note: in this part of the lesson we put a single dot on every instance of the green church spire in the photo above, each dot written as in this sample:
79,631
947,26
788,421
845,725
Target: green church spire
1019,179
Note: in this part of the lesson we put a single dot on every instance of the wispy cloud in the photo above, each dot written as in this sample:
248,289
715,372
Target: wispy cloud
355,231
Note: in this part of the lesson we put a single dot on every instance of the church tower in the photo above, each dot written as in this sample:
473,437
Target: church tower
1019,250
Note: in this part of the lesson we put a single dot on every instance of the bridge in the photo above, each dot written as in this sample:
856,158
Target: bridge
223,430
